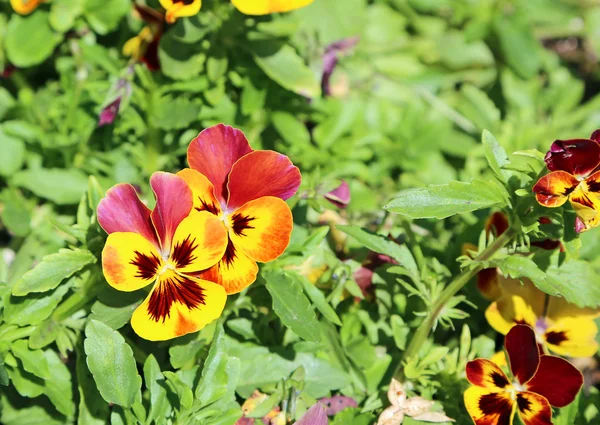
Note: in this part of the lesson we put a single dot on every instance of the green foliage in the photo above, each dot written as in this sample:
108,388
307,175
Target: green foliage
442,112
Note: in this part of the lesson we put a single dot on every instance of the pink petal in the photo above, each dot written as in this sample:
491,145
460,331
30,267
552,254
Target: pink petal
173,203
122,211
340,196
314,416
262,173
214,152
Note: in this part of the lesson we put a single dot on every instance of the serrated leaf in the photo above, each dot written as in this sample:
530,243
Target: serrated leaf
110,359
53,269
291,305
213,383
58,387
381,245
441,201
33,360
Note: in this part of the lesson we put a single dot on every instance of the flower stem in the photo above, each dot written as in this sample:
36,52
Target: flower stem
452,289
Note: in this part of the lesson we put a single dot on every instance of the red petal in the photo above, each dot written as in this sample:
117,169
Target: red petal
122,211
578,157
214,152
557,380
523,352
173,203
262,173
595,136
496,224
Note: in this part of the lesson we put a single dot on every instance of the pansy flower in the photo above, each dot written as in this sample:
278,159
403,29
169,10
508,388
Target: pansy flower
180,8
559,326
144,46
163,247
574,177
539,382
246,190
25,7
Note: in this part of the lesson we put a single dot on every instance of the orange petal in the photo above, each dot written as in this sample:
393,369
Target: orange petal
203,191
533,409
25,7
487,283
264,7
234,272
199,242
554,189
261,228
130,261
178,305
489,407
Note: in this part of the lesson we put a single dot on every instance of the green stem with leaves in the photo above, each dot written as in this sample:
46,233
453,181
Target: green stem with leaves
451,290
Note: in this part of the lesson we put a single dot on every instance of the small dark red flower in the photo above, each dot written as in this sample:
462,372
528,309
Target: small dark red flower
539,382
340,196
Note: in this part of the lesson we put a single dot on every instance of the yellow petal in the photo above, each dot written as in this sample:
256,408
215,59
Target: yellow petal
130,261
25,7
178,305
199,242
264,7
489,407
508,311
180,8
572,337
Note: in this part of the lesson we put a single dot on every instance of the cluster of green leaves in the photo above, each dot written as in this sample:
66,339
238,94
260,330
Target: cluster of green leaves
406,109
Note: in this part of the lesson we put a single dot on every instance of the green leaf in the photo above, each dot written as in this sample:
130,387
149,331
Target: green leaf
495,154
34,308
13,154
104,15
58,387
33,360
93,410
319,300
291,305
30,40
186,397
558,279
53,269
519,46
111,362
44,334
441,201
153,379
381,245
213,383
61,186
284,66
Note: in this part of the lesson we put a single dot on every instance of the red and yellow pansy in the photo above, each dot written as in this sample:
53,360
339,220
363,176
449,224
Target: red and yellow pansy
559,326
164,247
245,189
575,177
538,382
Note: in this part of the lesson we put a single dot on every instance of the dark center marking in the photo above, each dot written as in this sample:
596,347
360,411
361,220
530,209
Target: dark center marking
230,254
523,403
174,289
185,2
240,223
496,406
593,185
205,206
147,265
183,252
556,338
499,380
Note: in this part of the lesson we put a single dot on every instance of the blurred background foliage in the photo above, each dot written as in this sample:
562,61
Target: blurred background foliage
415,84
